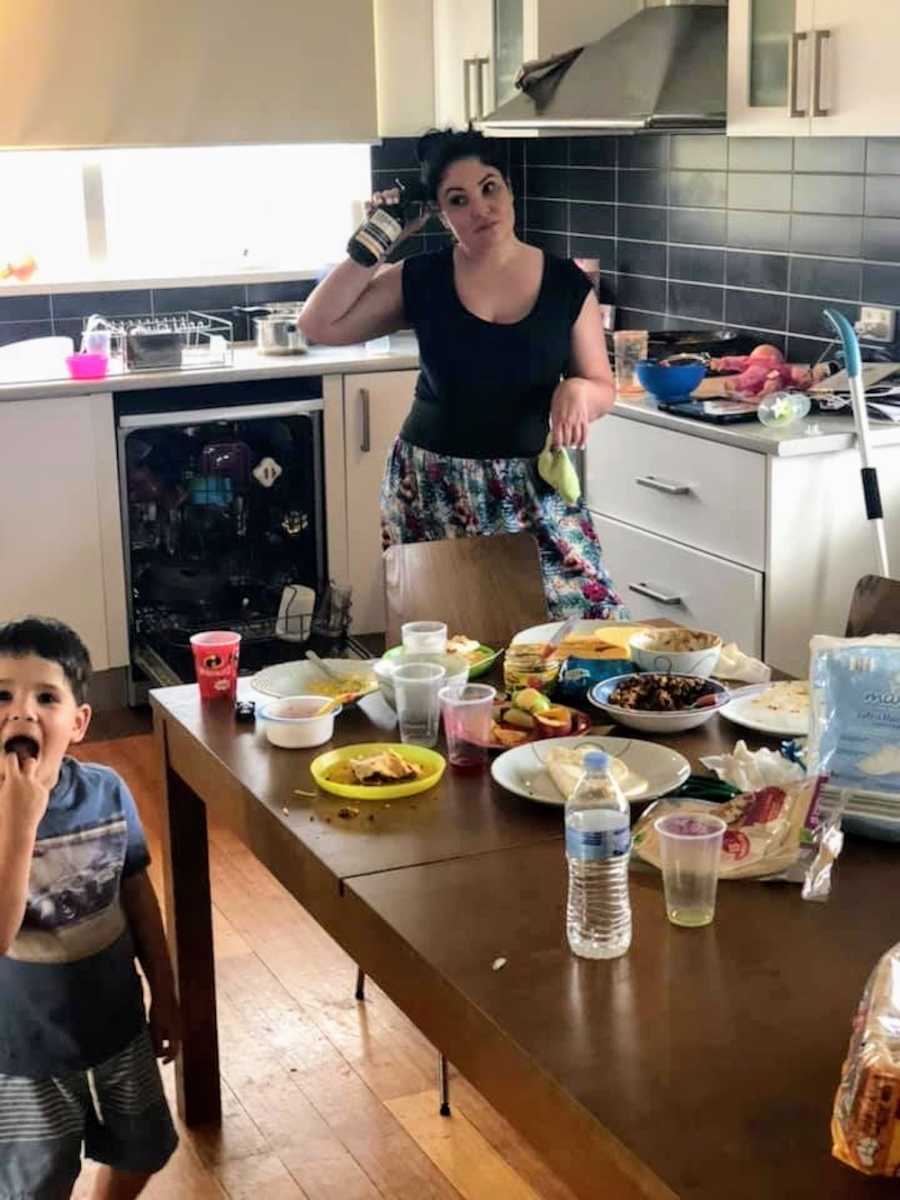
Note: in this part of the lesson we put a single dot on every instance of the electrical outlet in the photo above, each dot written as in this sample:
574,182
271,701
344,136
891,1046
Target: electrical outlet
876,324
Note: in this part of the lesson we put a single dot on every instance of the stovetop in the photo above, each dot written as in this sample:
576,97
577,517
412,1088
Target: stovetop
717,342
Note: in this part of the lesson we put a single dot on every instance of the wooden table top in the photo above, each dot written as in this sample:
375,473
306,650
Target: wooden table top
712,1056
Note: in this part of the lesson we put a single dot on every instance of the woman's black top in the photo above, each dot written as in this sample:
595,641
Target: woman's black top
484,389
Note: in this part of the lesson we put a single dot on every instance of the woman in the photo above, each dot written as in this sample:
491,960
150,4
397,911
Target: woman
511,342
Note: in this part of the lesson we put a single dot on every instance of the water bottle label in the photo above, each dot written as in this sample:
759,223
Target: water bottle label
596,845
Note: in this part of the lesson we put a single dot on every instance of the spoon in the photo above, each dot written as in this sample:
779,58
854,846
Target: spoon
712,698
328,672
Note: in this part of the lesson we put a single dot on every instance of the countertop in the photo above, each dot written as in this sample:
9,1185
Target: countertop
819,435
248,364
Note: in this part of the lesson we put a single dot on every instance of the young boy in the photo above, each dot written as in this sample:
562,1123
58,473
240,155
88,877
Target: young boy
77,1059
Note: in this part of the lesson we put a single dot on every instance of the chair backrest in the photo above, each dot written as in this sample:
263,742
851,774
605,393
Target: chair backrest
484,587
875,607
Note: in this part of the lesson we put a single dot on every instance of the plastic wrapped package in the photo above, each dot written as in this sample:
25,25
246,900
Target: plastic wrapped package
773,833
855,724
865,1125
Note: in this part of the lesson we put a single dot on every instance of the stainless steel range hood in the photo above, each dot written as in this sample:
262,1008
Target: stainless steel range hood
663,69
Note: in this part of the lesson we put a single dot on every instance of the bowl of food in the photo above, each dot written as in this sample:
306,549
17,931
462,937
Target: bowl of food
654,702
346,680
676,651
456,667
672,382
298,722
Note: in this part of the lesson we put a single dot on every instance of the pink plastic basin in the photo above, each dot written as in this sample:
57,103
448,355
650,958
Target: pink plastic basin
87,366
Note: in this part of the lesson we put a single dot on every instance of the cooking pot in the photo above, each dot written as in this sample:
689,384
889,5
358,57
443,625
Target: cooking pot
276,328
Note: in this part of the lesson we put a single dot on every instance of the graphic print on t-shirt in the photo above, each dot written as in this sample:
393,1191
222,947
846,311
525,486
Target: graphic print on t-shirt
73,909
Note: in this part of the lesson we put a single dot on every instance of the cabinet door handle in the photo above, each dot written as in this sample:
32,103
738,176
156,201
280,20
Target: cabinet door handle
365,444
668,486
467,88
822,35
483,84
796,39
644,589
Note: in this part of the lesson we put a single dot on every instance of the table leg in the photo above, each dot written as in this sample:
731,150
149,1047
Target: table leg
189,929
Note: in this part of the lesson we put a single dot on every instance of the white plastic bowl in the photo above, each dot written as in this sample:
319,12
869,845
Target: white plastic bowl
660,723
290,722
647,657
455,665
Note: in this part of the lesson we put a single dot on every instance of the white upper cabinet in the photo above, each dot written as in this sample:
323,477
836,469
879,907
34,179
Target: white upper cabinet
464,58
820,68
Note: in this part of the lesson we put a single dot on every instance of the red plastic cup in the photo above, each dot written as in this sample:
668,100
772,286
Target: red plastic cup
216,657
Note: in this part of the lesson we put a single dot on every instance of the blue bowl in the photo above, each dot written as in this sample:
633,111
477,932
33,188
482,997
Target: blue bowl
673,384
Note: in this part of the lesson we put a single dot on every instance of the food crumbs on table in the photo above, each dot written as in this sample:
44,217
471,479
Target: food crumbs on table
347,813
499,964
370,817
301,792
312,818
286,811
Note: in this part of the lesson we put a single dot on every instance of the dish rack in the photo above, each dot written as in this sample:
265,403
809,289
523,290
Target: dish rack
180,340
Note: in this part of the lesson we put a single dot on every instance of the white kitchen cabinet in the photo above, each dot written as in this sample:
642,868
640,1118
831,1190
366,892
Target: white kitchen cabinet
820,68
61,542
660,578
375,406
764,548
464,70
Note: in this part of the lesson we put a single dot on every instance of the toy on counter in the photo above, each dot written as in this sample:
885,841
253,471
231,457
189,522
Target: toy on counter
21,270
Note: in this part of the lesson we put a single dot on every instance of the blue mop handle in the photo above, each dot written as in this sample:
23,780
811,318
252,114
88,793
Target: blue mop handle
871,491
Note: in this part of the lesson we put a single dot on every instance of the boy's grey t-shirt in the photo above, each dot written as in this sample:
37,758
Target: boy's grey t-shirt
70,995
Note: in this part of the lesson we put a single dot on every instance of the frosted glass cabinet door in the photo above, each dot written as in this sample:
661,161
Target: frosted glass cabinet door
770,46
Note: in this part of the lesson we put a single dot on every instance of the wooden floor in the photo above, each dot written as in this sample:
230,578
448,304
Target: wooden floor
324,1097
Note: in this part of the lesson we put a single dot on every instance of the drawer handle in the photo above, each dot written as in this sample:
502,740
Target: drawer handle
669,486
644,589
365,444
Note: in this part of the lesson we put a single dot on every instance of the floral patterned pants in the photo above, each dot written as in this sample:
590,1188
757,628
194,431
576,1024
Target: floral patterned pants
428,497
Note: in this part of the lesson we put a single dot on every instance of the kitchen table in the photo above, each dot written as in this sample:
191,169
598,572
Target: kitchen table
701,1064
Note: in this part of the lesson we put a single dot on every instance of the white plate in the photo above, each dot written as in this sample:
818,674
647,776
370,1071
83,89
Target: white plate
751,714
521,770
297,678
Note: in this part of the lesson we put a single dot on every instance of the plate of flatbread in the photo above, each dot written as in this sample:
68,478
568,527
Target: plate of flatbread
548,771
781,710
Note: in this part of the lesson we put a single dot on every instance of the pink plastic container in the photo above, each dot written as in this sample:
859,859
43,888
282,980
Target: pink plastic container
87,366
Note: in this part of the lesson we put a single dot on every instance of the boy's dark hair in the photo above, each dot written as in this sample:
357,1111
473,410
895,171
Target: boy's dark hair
438,148
50,639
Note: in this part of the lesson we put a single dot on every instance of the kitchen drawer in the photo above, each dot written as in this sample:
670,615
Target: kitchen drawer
691,587
699,492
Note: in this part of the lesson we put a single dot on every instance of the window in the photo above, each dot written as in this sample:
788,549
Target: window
176,213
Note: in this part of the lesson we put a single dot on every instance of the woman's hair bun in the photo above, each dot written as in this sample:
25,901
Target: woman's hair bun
431,143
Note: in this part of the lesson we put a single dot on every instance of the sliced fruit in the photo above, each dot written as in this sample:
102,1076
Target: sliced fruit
557,719
518,718
502,736
530,700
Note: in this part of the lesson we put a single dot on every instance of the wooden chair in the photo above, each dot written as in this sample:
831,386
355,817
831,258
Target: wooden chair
875,607
485,587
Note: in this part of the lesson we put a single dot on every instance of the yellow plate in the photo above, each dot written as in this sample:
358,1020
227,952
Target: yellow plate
433,763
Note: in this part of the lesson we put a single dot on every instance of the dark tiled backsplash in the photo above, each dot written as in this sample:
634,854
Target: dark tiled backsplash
761,233
63,313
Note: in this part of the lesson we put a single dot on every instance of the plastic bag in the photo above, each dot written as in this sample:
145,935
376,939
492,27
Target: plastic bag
865,1125
771,833
750,770
855,723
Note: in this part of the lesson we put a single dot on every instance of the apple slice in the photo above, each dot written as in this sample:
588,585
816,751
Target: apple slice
555,721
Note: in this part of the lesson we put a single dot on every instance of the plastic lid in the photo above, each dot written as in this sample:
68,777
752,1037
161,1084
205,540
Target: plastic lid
596,760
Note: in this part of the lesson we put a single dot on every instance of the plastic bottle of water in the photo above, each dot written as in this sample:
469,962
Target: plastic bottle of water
598,847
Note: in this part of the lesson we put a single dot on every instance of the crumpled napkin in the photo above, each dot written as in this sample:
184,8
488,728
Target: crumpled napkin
555,468
735,664
751,770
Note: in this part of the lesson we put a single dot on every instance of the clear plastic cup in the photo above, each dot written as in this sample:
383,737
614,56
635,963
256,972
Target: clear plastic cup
467,724
416,687
690,847
216,657
424,637
630,346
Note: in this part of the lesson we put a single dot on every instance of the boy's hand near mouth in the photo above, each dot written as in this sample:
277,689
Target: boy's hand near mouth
23,798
